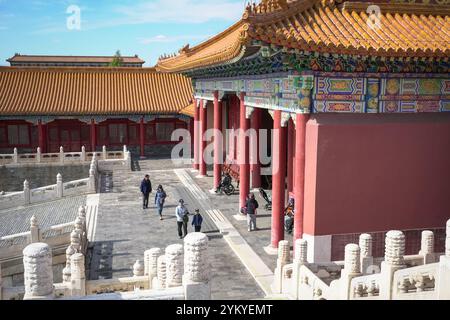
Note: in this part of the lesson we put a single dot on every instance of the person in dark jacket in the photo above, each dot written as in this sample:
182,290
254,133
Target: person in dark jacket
146,189
197,221
251,207
160,199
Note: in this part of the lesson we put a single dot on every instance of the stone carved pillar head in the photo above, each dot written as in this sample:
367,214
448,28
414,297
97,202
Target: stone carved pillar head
151,261
78,275
301,251
162,271
138,269
75,241
67,270
284,252
77,266
174,265
79,225
70,251
365,244
82,212
352,262
38,272
26,185
395,248
196,262
33,222
427,242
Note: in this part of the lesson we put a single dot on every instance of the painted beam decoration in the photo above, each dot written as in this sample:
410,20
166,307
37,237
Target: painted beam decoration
338,93
97,118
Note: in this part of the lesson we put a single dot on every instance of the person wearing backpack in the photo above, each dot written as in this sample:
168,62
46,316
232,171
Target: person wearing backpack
197,221
251,208
160,199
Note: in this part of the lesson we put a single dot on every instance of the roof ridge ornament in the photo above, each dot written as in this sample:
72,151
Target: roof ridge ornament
266,6
185,49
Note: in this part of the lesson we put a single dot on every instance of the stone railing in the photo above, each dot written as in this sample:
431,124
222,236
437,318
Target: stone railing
16,159
365,287
177,273
53,192
417,283
109,160
397,277
56,236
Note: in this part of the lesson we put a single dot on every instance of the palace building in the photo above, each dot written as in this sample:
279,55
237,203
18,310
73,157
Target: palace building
20,60
359,94
92,107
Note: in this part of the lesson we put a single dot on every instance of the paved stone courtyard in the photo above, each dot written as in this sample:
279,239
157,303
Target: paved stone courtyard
17,220
124,230
229,206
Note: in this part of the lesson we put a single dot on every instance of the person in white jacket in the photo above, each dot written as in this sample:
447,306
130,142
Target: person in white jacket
182,215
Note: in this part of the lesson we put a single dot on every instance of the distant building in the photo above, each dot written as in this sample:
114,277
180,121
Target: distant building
92,107
71,61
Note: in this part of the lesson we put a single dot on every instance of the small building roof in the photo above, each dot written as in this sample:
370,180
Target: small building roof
326,26
71,59
93,91
189,110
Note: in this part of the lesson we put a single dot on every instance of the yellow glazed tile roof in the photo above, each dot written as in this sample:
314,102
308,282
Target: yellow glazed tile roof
189,110
329,26
223,47
72,59
76,91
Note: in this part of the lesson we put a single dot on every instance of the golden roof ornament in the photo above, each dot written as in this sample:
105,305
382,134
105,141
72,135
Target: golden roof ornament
185,49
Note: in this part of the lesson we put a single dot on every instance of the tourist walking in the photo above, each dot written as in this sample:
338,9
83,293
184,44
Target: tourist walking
182,215
251,207
160,199
146,189
197,221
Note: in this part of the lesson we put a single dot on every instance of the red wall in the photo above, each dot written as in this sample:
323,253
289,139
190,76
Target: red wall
369,173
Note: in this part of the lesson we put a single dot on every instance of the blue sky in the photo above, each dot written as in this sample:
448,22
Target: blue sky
148,28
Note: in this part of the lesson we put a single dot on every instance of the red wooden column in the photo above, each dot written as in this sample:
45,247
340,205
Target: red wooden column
256,163
299,191
244,163
290,156
142,137
203,128
196,136
278,179
218,140
93,136
42,137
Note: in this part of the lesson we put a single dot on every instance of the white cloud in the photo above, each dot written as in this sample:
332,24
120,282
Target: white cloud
160,11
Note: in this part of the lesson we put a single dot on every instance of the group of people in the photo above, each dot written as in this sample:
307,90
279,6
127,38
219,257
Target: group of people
250,209
181,211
